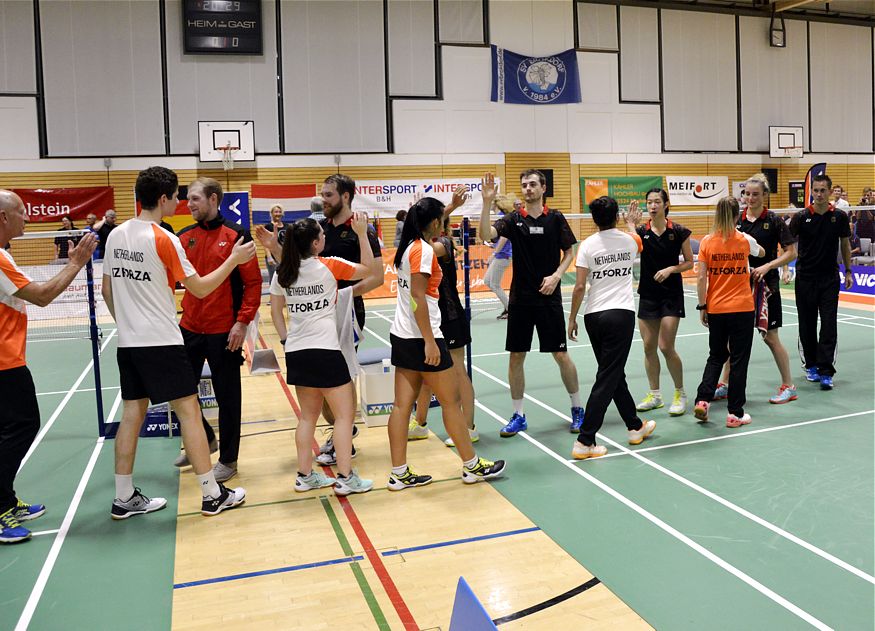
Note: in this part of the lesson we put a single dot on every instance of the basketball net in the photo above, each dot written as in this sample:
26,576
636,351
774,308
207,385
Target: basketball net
228,157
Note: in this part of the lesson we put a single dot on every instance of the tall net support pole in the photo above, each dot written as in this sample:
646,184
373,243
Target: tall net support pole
466,267
94,334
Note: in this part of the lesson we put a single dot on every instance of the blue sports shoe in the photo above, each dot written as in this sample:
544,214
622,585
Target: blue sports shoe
26,512
826,382
516,424
11,531
811,374
576,420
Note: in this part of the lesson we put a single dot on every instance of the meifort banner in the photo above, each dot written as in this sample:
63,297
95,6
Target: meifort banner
623,189
479,257
50,204
384,198
696,190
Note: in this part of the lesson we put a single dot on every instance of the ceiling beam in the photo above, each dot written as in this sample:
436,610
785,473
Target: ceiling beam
785,5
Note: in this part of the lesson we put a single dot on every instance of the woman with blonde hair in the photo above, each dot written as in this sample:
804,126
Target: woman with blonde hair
726,306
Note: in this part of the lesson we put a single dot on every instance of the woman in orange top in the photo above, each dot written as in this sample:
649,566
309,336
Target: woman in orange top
727,309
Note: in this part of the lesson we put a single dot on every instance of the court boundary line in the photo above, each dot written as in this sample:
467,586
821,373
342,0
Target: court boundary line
60,408
671,530
703,491
44,394
49,564
736,435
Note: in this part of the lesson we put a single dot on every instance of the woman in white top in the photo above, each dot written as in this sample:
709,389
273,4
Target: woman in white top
420,354
305,288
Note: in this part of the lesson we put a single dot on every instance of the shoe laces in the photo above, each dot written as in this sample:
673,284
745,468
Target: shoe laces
8,519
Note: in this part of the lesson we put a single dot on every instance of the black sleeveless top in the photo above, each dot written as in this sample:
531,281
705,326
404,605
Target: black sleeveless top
448,292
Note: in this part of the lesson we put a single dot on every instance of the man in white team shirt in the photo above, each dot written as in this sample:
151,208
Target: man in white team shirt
606,259
142,265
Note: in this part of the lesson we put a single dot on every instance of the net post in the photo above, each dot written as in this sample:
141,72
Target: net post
466,265
94,334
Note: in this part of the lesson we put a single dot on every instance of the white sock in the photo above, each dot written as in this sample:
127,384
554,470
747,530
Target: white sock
124,487
209,486
575,400
400,470
680,391
518,406
470,463
657,393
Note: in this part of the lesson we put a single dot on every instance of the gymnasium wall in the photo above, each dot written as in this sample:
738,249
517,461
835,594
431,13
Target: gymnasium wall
412,77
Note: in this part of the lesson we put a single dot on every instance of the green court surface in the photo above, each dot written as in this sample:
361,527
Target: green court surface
769,526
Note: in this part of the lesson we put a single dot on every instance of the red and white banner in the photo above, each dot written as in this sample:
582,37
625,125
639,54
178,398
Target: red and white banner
45,205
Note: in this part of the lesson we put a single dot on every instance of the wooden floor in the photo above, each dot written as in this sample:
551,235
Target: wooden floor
317,562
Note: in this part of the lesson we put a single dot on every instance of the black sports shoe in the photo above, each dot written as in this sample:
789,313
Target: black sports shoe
228,498
138,504
328,458
483,470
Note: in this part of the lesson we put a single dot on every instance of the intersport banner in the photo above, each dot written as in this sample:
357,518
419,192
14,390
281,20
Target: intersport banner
384,198
696,190
44,205
623,189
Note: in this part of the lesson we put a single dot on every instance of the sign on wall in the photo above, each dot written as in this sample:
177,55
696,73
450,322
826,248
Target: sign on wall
50,204
623,189
548,80
696,190
384,198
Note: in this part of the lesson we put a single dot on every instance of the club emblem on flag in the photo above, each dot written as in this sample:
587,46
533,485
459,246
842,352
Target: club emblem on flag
542,80
551,79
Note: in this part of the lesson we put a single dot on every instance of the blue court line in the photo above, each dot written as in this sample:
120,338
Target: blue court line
306,566
456,542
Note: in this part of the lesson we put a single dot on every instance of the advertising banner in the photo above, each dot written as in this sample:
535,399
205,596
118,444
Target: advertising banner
50,204
623,189
384,198
552,79
864,278
696,190
479,257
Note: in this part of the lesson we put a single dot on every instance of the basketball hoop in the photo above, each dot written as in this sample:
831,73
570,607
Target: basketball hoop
791,152
228,157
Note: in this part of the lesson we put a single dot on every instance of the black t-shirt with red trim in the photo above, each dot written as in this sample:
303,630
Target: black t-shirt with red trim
538,244
342,241
819,240
769,230
661,251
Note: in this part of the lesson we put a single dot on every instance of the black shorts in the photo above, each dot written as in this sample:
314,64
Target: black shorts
20,408
157,373
658,308
316,368
776,318
548,319
457,333
410,354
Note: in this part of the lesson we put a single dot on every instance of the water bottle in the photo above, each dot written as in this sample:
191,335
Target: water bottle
387,365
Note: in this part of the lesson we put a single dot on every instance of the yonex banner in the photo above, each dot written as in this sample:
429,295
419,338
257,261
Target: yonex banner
696,190
50,204
623,189
384,198
553,79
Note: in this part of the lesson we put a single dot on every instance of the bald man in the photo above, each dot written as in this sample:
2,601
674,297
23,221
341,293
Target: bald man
19,414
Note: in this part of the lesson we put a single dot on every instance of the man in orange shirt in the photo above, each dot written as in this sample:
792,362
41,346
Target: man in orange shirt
19,414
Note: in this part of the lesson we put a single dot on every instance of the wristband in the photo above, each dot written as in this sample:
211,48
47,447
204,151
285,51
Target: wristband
702,307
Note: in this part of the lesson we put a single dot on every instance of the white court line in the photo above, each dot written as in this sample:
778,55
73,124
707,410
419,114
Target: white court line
746,578
382,339
49,564
44,532
736,435
45,428
699,489
43,394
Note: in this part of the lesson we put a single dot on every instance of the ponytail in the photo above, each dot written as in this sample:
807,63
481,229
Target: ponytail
420,215
297,246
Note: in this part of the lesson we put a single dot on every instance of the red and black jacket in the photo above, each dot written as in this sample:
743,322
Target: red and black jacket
208,245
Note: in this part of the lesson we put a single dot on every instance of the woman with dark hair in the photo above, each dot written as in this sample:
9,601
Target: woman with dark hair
305,286
62,244
726,305
661,291
400,216
420,354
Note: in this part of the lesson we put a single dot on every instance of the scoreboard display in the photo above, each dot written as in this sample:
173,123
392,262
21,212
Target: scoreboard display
222,26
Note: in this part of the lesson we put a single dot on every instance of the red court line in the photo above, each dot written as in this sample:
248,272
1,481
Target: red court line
373,556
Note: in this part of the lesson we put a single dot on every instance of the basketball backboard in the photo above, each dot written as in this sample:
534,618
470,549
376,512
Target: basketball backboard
214,136
785,142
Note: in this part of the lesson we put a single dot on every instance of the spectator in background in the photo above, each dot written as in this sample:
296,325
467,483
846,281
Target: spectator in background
500,258
316,207
856,248
276,224
103,228
865,224
62,244
400,216
838,200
